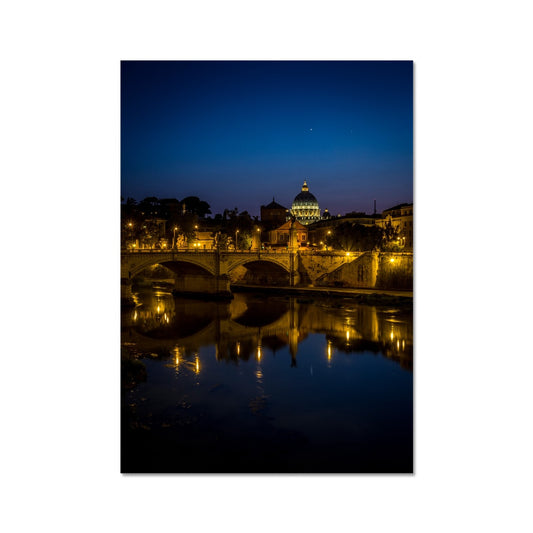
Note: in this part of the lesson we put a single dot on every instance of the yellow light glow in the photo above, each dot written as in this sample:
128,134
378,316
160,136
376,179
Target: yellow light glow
347,254
329,351
238,348
259,353
392,259
347,335
403,345
158,308
135,315
398,344
177,354
391,336
197,368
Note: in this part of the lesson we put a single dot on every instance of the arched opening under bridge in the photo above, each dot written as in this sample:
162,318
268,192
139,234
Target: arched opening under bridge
260,272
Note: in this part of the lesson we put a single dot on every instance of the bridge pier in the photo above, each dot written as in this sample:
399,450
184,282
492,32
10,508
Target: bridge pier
199,285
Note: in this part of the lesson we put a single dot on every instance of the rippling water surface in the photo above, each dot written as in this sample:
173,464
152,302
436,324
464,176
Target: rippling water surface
266,384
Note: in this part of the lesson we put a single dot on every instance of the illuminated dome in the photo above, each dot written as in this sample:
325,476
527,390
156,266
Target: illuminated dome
305,206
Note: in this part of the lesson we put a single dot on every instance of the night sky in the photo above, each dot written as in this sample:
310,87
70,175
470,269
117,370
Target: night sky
237,134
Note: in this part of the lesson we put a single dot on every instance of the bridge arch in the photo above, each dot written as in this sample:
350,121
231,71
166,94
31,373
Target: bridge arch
259,271
136,265
245,261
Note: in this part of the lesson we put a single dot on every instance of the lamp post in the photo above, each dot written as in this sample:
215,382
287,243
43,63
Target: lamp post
196,244
174,237
236,239
130,232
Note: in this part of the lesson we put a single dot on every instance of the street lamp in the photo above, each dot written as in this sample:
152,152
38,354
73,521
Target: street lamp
329,233
236,239
174,237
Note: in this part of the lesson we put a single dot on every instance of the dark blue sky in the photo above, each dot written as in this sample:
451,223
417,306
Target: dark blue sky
238,133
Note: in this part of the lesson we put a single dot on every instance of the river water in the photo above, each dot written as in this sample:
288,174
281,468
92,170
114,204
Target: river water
266,384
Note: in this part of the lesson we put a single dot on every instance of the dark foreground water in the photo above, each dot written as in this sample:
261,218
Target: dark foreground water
266,384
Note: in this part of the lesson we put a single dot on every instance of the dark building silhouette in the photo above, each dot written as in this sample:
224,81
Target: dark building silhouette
274,214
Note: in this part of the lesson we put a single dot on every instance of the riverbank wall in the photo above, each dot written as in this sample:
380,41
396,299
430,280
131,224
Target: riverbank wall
393,271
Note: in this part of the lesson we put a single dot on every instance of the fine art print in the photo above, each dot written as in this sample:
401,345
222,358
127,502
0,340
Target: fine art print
266,267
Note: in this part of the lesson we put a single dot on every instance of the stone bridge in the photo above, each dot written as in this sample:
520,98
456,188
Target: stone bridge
212,271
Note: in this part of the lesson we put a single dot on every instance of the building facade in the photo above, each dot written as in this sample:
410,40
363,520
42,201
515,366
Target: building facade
274,213
281,236
401,218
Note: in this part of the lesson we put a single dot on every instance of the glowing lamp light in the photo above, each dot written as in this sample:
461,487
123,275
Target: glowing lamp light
347,254
392,260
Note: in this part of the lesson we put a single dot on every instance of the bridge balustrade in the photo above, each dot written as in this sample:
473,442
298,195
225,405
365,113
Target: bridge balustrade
196,250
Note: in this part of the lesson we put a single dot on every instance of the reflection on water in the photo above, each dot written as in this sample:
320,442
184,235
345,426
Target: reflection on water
246,327
325,372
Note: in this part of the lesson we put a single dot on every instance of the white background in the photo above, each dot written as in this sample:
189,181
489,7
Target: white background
60,169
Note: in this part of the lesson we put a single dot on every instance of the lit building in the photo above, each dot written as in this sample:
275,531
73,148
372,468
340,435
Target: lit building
203,240
305,207
401,217
280,236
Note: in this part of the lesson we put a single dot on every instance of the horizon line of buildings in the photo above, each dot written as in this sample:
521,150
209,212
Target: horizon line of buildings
312,227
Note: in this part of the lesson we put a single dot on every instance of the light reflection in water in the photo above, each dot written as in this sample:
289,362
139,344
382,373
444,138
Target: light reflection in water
247,349
330,352
162,320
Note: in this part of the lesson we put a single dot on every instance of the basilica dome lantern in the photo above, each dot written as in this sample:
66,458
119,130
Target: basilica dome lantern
305,206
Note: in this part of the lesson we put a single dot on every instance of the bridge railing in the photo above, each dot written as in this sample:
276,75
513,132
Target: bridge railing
198,251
